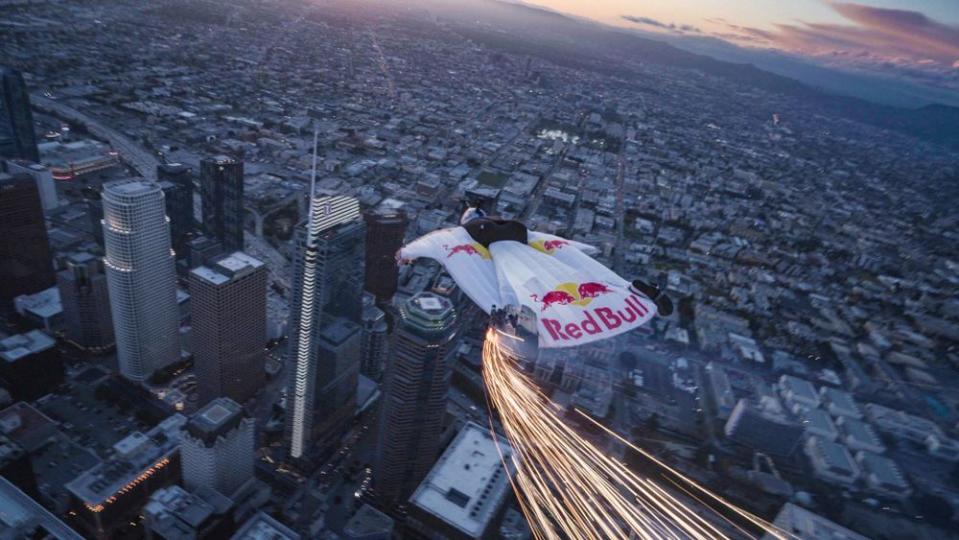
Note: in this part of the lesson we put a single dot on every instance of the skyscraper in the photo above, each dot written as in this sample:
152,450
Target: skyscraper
86,302
221,191
228,300
339,347
141,277
17,138
216,448
328,284
25,263
42,176
176,181
384,237
375,339
414,400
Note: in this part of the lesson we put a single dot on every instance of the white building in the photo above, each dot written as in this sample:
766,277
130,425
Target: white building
217,447
464,492
141,277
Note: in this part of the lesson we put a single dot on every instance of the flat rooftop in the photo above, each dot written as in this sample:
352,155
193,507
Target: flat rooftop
20,512
468,483
19,346
224,269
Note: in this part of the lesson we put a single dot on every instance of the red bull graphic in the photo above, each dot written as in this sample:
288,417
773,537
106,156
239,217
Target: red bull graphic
596,321
548,246
472,248
572,294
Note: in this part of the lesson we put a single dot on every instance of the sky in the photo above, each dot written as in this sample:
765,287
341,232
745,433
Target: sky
914,40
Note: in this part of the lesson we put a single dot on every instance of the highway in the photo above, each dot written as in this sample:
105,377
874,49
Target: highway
141,159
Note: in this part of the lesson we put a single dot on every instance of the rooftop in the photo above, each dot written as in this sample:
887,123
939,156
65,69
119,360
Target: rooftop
19,346
137,455
20,516
263,527
467,484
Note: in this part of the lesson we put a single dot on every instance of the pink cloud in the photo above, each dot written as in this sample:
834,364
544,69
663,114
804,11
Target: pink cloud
873,37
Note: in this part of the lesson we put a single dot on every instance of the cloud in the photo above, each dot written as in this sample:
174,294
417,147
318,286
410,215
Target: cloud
647,21
872,38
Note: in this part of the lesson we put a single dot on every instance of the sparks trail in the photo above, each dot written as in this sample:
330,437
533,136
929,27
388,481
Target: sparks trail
569,488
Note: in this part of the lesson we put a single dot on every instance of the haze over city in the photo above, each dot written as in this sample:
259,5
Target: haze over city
476,269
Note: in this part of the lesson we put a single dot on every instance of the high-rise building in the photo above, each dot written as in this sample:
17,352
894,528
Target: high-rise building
228,300
339,346
375,339
414,400
25,263
328,284
217,448
141,277
221,191
85,298
384,237
42,176
176,181
17,138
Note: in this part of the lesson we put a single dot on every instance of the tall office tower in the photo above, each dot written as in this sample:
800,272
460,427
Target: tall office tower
176,181
217,448
86,302
339,347
42,176
221,191
141,277
228,300
384,237
328,283
25,263
17,139
414,401
375,339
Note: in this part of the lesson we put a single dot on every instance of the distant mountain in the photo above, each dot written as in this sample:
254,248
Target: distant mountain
566,40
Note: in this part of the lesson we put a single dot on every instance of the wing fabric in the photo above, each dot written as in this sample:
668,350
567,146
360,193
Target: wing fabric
577,300
466,261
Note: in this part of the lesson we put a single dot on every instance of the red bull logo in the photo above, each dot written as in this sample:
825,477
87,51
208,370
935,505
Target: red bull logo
598,321
473,248
548,246
565,294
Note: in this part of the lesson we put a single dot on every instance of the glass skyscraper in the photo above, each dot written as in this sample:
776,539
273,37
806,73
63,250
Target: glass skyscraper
221,193
326,305
17,138
141,277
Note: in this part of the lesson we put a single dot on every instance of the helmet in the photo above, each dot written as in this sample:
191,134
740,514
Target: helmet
470,214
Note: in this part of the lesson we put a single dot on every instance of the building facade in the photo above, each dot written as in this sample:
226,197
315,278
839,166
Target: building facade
228,301
176,181
414,400
17,138
216,448
328,284
221,193
85,298
26,266
385,230
141,277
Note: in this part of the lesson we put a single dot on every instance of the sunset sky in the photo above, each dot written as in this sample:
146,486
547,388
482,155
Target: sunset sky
916,39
